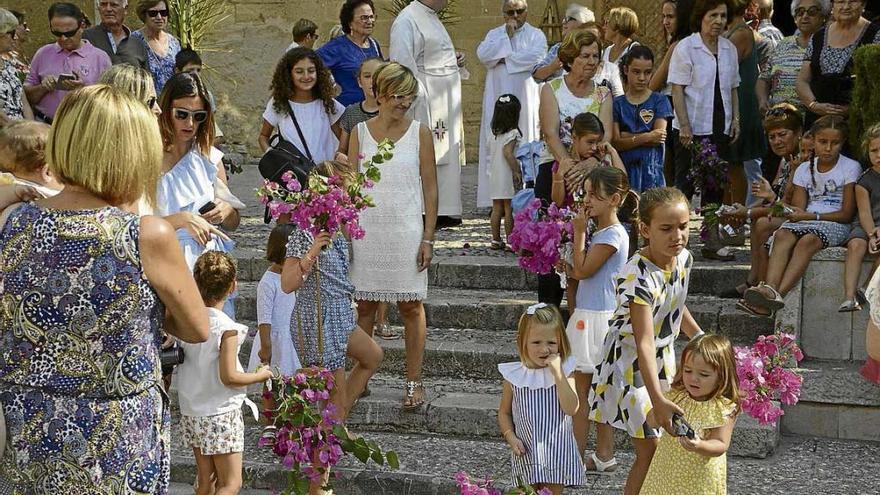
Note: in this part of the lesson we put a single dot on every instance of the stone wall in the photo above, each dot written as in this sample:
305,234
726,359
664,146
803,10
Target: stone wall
255,35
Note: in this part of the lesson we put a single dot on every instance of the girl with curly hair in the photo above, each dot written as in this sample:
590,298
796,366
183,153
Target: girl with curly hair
302,89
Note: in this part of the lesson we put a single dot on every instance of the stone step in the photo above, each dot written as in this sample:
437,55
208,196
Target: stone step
501,310
428,464
835,402
490,272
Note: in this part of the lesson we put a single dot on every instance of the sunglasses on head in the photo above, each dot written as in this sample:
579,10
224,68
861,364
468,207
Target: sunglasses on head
812,11
198,116
151,101
779,112
158,13
66,34
513,12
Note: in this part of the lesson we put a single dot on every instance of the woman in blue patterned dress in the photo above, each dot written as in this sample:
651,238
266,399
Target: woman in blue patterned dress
162,47
85,284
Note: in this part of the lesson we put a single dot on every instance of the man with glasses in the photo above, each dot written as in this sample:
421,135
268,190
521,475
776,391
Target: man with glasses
65,65
305,33
509,52
112,36
421,43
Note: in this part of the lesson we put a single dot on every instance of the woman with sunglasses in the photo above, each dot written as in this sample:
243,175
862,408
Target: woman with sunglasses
776,83
825,81
13,102
192,173
161,46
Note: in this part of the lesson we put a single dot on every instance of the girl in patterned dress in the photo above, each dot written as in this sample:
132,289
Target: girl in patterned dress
639,358
538,401
705,387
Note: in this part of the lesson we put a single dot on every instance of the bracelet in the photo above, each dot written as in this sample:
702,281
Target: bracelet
425,241
810,106
749,216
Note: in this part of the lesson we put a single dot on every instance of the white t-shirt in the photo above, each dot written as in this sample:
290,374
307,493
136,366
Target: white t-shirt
315,125
274,308
199,389
825,190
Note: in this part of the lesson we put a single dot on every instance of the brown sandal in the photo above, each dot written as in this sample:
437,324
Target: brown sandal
410,403
385,333
764,296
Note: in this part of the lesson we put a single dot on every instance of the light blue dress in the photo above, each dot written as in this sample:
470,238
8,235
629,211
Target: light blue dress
188,186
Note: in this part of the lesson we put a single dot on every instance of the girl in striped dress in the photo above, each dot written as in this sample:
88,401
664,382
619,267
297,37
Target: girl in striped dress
538,401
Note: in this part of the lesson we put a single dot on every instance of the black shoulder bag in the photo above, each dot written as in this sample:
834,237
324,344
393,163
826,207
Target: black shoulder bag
283,156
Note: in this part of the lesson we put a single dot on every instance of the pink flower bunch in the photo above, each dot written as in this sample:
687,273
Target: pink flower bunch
537,236
487,487
327,204
765,372
306,440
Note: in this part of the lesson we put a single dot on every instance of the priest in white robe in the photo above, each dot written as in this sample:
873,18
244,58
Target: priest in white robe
509,52
420,42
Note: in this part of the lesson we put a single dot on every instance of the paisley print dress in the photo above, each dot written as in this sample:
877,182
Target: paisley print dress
79,357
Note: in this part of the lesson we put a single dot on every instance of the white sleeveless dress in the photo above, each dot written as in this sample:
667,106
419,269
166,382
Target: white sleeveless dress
384,265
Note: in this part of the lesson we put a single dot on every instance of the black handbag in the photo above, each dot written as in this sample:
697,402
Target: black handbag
283,156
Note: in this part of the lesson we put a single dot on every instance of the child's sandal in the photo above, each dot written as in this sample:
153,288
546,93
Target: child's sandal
764,296
410,403
599,466
849,306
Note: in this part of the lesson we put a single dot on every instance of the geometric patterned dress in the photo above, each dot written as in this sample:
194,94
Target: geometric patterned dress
618,395
80,329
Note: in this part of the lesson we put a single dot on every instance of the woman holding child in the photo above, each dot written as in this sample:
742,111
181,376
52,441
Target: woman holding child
80,383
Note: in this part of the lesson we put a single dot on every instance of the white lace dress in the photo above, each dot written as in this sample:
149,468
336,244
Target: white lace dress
384,266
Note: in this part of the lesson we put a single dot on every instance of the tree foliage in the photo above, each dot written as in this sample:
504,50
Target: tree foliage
864,110
193,21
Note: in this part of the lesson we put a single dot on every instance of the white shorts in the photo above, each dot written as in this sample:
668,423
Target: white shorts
586,333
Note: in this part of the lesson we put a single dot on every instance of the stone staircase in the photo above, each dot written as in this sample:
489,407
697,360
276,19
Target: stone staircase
474,301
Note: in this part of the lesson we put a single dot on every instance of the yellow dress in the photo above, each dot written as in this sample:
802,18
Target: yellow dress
674,469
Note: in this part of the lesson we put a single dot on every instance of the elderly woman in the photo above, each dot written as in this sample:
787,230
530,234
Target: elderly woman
620,25
576,17
391,263
162,47
778,79
80,382
704,73
825,82
13,102
784,127
344,55
561,101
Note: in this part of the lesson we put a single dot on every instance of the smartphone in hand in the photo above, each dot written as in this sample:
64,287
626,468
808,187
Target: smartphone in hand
207,207
59,83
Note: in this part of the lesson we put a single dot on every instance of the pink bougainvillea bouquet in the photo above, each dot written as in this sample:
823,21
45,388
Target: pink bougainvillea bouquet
308,437
328,204
766,372
539,234
467,486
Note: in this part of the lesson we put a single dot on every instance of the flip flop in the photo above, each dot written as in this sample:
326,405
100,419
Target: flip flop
756,297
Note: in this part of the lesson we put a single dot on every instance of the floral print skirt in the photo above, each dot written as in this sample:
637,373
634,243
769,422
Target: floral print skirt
63,444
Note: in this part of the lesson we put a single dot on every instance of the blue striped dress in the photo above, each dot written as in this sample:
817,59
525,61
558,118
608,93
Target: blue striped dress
552,455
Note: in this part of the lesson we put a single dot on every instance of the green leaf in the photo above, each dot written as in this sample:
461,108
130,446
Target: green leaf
377,457
393,460
377,159
362,454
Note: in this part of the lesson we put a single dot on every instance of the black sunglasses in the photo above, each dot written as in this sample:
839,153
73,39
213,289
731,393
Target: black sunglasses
812,11
513,12
66,34
151,101
157,13
779,112
198,116
13,33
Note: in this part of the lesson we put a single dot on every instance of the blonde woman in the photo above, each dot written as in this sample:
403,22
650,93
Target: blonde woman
101,354
134,81
620,25
390,263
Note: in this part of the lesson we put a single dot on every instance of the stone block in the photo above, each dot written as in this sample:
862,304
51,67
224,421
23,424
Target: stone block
826,334
811,419
859,423
714,279
752,439
464,414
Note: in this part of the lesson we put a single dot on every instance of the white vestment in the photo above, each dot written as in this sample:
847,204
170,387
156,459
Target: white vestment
420,42
509,62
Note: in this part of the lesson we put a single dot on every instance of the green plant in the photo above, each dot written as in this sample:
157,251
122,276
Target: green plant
864,110
194,21
448,15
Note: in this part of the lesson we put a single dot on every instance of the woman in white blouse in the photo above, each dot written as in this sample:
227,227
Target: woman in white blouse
704,75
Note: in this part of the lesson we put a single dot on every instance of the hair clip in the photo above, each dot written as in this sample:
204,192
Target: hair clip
534,307
504,99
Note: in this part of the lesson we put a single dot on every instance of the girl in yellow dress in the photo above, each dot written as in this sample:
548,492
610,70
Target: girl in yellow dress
706,389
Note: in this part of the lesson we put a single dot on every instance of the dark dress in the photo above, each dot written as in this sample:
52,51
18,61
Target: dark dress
80,329
752,142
